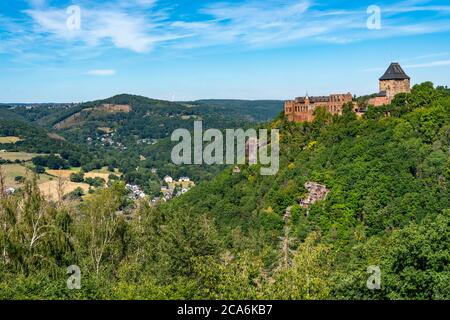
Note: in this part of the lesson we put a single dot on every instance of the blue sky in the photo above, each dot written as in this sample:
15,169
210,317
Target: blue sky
185,50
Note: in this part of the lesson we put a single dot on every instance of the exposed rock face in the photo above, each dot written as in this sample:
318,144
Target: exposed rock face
114,108
72,120
83,114
287,214
55,136
316,192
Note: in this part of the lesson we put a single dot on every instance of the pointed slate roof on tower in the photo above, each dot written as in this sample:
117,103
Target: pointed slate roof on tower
395,72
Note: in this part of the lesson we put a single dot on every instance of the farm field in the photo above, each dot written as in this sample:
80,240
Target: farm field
105,170
92,174
48,182
22,156
104,176
49,189
62,173
10,139
13,170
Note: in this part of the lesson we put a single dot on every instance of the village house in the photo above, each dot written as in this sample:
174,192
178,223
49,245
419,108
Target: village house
168,179
135,192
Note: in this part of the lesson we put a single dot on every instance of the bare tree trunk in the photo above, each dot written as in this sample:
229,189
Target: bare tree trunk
61,182
2,183
286,241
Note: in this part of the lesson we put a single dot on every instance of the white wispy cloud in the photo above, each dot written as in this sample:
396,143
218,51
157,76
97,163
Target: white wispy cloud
141,26
147,3
426,56
426,64
37,3
414,6
258,23
123,30
432,64
269,23
101,72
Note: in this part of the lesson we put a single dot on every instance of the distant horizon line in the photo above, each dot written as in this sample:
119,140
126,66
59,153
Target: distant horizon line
185,101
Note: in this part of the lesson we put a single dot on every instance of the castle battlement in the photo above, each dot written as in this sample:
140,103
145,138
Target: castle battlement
302,108
393,82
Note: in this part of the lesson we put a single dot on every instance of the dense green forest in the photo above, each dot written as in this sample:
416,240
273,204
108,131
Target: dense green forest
252,110
37,140
231,237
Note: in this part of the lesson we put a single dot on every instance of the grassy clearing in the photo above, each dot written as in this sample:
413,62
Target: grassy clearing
105,129
102,173
22,156
10,139
14,170
48,182
106,170
49,189
104,176
62,173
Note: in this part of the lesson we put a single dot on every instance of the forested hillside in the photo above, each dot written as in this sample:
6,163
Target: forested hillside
134,140
35,139
246,236
257,110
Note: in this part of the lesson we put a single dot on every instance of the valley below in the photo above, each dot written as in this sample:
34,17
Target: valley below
93,185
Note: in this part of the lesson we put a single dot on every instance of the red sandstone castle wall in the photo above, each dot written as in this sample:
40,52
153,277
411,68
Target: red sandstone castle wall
300,110
379,101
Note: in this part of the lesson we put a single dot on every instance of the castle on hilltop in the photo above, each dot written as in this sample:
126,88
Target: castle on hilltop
393,82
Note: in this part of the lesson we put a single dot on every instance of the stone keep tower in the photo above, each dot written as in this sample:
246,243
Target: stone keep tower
394,81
